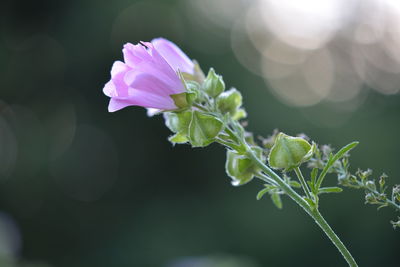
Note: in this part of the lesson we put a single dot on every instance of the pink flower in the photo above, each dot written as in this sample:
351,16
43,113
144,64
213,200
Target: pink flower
148,76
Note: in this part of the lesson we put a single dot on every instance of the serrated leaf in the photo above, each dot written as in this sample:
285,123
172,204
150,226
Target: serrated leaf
276,199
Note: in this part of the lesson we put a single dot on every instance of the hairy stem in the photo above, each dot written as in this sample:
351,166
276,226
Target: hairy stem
313,212
303,182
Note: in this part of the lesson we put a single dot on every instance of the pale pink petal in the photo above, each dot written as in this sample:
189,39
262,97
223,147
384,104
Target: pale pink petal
146,78
134,54
173,55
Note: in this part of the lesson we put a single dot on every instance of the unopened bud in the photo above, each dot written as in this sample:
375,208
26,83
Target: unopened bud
289,152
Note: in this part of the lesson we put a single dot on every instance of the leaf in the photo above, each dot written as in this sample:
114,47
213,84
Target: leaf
330,190
332,159
262,193
295,184
276,199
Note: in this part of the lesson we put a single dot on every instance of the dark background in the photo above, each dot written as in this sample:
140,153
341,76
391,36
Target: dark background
83,187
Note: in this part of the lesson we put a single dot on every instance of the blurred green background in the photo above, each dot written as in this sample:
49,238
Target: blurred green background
83,187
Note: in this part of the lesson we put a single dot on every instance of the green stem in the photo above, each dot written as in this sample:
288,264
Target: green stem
313,212
303,182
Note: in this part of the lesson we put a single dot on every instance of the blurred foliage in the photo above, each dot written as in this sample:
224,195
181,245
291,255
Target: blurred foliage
87,188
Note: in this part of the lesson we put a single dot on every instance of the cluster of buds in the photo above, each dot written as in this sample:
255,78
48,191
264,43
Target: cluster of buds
199,111
375,189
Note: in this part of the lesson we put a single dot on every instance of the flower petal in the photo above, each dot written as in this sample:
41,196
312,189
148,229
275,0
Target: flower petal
173,55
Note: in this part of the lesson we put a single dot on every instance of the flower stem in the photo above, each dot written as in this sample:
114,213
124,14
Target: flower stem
313,212
303,182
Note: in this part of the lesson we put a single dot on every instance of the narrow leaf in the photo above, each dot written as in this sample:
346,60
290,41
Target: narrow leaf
295,184
330,190
332,160
262,193
276,199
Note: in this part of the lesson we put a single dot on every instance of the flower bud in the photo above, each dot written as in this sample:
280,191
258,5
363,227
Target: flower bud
203,129
370,198
230,102
240,168
370,185
178,123
213,84
289,152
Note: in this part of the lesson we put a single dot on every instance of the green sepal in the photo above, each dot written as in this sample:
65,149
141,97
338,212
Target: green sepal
213,84
184,100
178,122
229,102
203,129
289,152
240,114
197,76
178,138
240,168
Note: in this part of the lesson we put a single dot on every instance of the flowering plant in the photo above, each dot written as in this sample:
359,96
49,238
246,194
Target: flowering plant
199,111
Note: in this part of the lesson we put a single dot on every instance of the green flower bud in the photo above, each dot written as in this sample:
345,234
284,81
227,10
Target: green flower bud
203,129
192,126
213,84
230,102
240,168
183,100
178,122
289,152
370,198
370,185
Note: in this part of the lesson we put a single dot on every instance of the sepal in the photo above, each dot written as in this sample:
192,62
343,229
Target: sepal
241,168
289,152
213,84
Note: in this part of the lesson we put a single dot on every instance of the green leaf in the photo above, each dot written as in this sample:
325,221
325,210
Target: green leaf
332,159
295,184
213,84
262,193
334,189
288,152
203,129
276,199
